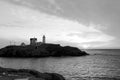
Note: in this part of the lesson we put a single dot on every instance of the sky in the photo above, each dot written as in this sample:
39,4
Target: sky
79,23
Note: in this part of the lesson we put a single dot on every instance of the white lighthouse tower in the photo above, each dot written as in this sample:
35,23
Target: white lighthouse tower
43,40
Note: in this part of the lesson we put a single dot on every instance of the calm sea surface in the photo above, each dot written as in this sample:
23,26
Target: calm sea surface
105,66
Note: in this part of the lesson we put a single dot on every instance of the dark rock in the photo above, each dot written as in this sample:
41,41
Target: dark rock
56,76
33,78
35,75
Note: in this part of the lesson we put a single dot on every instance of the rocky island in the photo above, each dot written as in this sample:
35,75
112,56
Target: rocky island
43,50
40,49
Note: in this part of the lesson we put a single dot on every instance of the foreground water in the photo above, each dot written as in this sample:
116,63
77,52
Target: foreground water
92,67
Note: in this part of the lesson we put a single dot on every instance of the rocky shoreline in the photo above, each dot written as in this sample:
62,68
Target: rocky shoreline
27,74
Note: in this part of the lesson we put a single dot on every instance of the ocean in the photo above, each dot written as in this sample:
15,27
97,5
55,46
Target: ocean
102,64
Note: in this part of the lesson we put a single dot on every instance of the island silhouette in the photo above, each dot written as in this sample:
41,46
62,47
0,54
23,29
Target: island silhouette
40,49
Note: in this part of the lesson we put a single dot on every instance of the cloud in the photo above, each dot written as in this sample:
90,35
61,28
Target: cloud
55,4
36,23
98,26
92,39
92,36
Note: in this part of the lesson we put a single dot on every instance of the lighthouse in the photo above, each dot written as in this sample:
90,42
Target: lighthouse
43,40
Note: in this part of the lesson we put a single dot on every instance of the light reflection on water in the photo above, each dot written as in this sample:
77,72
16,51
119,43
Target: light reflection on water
93,67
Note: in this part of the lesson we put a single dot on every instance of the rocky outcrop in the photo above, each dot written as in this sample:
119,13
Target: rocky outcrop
44,50
28,74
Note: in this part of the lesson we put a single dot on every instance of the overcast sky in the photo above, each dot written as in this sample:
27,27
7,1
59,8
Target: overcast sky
81,23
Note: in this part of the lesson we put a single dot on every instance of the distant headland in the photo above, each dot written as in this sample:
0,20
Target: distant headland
40,49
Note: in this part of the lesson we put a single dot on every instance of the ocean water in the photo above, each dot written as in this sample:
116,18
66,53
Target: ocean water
104,65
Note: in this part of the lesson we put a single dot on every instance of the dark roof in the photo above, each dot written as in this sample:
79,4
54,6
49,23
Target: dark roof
33,38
